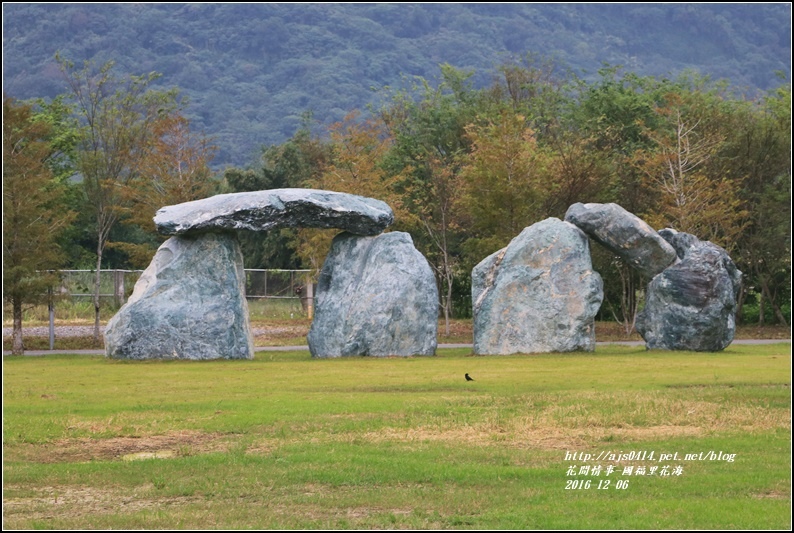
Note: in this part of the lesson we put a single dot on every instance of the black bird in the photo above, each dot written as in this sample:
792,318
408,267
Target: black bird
469,378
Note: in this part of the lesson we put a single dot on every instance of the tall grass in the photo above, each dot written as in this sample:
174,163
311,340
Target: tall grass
285,441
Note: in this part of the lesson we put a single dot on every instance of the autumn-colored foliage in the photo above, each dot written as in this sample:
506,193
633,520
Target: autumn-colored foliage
33,213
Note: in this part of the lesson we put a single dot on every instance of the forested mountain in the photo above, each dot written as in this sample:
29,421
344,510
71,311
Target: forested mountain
252,71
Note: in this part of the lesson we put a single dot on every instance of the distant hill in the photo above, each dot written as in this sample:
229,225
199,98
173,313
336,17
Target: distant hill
252,70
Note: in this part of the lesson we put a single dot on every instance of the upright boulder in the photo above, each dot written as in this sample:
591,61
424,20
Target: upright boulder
188,304
625,235
274,209
539,294
376,296
692,304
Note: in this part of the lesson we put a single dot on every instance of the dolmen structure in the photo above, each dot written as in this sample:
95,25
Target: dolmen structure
540,294
190,302
691,297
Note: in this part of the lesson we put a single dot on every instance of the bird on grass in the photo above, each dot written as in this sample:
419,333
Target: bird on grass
469,378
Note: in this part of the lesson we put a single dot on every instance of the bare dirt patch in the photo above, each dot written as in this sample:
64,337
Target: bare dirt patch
281,333
175,444
775,495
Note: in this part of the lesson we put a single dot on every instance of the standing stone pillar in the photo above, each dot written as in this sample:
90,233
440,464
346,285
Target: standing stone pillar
540,294
188,304
376,296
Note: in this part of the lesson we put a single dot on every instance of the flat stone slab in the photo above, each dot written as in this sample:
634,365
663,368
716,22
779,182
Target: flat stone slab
624,234
538,295
274,209
189,303
376,296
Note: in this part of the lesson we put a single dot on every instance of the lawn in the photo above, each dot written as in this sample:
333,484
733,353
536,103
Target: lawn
285,441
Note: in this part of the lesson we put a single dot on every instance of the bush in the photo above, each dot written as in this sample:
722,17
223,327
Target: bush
751,313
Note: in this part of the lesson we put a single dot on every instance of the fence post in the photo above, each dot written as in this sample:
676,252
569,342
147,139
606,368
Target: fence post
118,287
51,309
309,296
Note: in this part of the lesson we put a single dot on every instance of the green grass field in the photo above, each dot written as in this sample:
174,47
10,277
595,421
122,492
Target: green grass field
285,441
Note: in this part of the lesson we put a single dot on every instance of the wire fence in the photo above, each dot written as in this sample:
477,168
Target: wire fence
118,284
271,294
115,285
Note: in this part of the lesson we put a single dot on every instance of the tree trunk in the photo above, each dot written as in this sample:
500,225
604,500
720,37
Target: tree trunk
778,313
740,304
628,302
17,345
448,306
97,288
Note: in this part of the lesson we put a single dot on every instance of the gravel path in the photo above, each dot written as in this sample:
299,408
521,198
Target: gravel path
88,331
60,331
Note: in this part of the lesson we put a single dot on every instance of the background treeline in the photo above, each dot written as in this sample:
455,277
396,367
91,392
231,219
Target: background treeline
251,70
464,168
467,169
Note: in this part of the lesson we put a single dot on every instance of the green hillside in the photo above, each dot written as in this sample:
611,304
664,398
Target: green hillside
251,71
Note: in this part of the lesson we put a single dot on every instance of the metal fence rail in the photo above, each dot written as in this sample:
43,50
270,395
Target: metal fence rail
118,284
276,283
292,288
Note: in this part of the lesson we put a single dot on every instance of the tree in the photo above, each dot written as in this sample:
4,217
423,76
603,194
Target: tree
612,118
506,182
430,142
32,214
58,115
760,156
690,199
295,163
356,166
436,210
173,168
116,118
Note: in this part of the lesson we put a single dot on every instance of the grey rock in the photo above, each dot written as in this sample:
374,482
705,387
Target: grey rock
376,296
692,304
274,209
539,294
189,303
681,242
625,235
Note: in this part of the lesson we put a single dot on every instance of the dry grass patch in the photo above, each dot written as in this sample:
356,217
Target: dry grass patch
68,502
535,437
599,416
174,444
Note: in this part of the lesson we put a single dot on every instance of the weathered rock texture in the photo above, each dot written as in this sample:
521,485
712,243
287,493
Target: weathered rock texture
625,235
540,294
692,304
274,209
376,296
188,304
